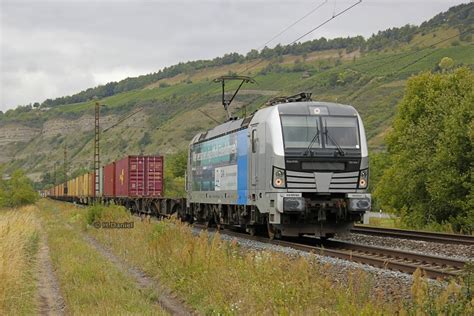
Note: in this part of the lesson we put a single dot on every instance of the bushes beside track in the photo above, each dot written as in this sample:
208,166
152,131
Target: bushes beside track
17,191
100,212
429,165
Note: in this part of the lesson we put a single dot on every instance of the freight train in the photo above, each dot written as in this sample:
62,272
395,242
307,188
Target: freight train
294,167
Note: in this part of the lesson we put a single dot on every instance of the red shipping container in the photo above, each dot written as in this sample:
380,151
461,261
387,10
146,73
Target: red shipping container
139,176
109,180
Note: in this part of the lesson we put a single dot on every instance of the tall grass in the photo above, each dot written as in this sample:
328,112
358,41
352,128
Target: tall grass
456,299
90,283
18,248
396,222
220,277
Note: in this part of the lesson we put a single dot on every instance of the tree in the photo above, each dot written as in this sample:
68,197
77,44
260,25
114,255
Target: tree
175,169
430,152
177,163
17,191
145,140
446,64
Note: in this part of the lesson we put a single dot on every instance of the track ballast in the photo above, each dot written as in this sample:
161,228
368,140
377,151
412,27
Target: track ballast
414,235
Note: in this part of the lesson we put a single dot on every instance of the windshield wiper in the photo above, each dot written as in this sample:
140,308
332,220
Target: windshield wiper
339,149
316,136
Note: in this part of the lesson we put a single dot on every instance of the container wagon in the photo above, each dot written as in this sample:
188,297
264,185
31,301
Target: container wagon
135,182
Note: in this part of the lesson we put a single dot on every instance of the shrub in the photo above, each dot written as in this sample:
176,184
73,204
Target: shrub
429,176
100,212
17,191
455,299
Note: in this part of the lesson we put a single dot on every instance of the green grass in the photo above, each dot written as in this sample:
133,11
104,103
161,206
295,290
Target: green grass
19,241
385,222
89,283
220,277
395,222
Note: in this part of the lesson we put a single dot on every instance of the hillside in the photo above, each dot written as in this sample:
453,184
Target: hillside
369,74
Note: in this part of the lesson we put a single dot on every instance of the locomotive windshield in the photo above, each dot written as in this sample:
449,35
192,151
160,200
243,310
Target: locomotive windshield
340,131
325,131
299,131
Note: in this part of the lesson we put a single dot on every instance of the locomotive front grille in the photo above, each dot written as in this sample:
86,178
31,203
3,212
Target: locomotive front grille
341,182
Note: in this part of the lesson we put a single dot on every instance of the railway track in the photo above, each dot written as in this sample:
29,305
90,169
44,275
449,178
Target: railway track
414,235
408,262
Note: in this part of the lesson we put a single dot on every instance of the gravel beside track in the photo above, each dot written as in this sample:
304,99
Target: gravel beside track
442,238
393,285
463,252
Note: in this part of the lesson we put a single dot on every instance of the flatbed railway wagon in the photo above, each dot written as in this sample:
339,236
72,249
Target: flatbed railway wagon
135,182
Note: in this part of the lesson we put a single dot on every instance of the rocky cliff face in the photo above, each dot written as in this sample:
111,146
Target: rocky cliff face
12,133
64,127
39,148
12,136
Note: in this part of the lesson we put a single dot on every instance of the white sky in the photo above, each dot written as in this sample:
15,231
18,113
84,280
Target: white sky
52,48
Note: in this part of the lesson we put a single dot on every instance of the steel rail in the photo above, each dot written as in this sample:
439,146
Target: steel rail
414,235
433,267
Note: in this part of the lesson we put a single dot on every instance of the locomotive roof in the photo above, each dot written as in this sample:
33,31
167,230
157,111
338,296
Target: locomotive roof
222,129
301,108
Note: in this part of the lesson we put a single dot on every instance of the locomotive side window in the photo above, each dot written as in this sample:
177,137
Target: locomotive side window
254,141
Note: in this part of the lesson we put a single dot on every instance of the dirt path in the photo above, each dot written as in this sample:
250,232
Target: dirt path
50,299
166,299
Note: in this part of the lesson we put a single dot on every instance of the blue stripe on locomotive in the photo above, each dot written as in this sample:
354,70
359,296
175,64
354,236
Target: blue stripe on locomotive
242,167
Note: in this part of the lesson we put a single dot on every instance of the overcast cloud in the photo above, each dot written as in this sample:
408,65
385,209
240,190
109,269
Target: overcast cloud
54,48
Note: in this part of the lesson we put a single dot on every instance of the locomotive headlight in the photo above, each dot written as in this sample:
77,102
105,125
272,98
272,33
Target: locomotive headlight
363,179
279,178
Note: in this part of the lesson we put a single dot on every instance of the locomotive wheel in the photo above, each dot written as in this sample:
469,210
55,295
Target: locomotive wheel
252,230
272,231
217,220
326,237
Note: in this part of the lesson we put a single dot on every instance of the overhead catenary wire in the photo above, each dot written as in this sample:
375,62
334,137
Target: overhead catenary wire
208,116
404,54
284,30
431,52
294,23
326,21
407,54
401,55
125,117
310,31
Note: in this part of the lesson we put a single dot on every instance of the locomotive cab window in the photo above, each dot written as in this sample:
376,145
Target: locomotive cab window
299,131
341,131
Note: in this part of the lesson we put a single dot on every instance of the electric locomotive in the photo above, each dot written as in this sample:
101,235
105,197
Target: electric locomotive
294,167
